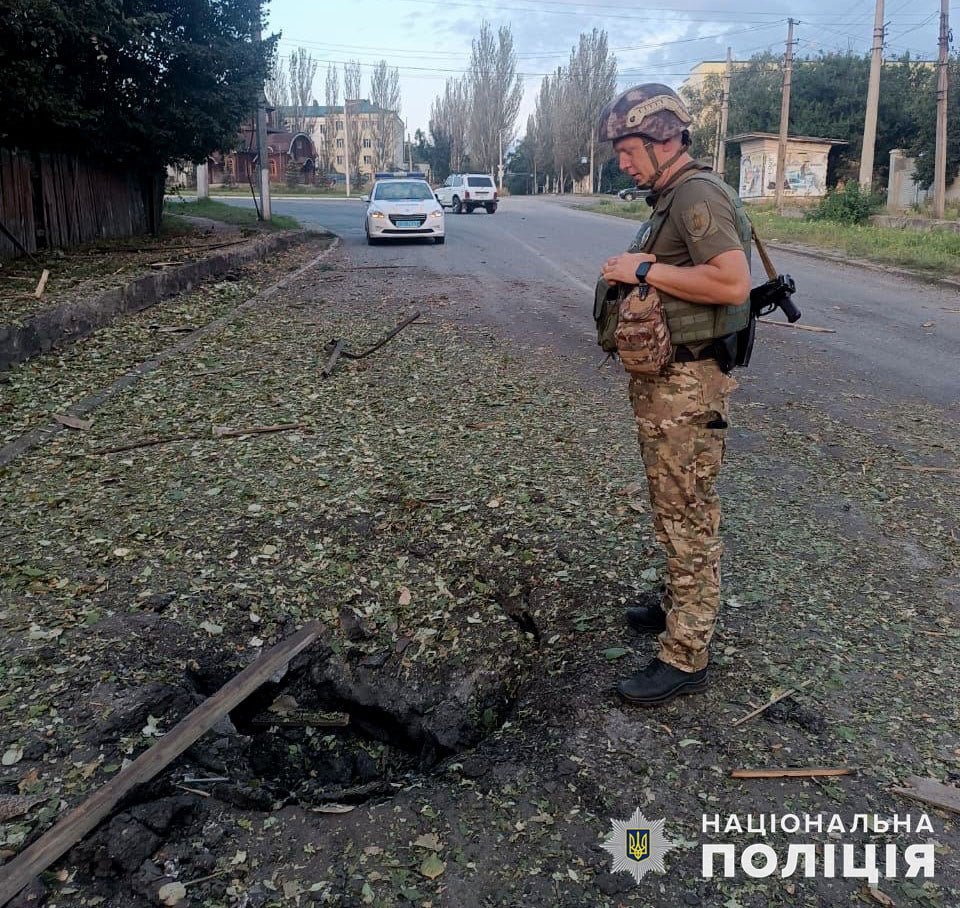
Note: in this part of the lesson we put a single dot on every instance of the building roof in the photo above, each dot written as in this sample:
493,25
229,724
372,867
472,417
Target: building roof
811,140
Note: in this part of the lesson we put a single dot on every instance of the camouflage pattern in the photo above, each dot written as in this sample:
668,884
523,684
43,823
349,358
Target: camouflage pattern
643,341
682,455
651,110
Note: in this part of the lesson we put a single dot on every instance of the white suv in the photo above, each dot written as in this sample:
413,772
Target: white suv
465,191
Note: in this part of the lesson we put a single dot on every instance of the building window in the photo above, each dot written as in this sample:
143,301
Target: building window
366,159
366,143
340,159
340,125
339,143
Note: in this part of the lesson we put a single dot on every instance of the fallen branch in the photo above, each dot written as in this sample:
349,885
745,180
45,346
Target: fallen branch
930,791
386,340
916,468
815,328
78,822
44,277
814,772
327,370
224,432
766,706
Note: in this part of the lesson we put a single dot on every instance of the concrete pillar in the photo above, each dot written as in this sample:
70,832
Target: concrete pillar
895,180
203,181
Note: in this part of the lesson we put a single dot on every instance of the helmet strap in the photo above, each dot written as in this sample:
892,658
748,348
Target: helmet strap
659,168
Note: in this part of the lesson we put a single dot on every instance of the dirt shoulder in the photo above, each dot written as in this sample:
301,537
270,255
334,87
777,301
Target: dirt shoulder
463,514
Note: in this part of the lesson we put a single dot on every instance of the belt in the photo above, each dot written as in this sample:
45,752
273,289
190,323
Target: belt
683,354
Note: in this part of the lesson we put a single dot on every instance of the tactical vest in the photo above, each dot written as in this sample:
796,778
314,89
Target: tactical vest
695,322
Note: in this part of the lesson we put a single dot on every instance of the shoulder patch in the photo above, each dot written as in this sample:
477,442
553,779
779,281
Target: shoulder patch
698,220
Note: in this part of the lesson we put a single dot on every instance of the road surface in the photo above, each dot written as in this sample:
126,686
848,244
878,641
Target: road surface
535,262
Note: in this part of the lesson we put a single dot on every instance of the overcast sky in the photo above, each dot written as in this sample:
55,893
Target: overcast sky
429,40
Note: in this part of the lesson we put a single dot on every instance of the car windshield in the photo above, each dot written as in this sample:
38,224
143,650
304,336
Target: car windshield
402,191
479,181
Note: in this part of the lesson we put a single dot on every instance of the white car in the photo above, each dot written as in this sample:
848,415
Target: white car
465,191
403,208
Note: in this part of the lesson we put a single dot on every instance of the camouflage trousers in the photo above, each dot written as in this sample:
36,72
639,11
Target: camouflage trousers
682,422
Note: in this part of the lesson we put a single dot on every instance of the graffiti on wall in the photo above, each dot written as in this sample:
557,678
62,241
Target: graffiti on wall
805,173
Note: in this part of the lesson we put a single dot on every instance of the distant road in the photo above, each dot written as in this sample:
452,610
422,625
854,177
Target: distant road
534,263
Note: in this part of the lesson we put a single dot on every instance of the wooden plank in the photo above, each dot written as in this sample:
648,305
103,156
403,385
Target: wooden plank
814,772
930,791
82,819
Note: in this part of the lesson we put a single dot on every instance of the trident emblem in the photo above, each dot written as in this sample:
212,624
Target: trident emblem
638,844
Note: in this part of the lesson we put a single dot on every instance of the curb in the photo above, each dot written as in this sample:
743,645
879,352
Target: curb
837,258
68,322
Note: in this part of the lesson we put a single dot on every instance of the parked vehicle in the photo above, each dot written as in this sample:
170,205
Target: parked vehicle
631,193
398,208
464,192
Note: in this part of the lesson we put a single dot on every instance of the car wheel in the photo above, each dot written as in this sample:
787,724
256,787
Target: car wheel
629,196
371,241
439,240
456,205
491,209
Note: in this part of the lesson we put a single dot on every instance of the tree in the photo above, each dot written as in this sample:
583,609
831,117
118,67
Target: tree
140,84
922,145
819,108
495,95
331,98
385,97
351,117
277,86
449,118
303,71
590,84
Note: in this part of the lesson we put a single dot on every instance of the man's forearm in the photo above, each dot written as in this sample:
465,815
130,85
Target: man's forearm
699,283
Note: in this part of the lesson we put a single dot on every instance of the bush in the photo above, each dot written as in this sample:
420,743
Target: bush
849,205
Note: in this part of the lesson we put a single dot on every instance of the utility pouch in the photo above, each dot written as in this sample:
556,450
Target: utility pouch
606,313
643,339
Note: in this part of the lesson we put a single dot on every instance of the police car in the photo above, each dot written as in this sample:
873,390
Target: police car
400,208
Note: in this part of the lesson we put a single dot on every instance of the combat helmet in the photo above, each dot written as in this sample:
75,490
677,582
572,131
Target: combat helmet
652,110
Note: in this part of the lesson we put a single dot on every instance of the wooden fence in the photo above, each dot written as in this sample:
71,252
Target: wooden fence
59,200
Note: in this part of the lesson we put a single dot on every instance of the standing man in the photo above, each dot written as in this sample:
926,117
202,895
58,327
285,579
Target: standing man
695,254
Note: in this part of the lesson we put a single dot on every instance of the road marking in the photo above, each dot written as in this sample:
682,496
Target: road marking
558,268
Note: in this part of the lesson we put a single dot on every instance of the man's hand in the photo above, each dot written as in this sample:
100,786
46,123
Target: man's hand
621,269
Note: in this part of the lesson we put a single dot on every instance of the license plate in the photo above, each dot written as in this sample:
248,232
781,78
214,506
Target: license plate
408,223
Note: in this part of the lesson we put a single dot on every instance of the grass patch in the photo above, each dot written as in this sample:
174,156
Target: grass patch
935,252
228,214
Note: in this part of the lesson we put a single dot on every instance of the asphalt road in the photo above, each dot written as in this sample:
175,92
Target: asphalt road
533,264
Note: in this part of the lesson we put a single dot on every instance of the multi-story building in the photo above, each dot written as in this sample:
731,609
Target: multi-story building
361,126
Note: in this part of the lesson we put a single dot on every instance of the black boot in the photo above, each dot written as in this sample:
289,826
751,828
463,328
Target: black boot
659,683
647,616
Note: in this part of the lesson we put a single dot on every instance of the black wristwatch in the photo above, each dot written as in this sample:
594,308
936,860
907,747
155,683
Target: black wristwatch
641,273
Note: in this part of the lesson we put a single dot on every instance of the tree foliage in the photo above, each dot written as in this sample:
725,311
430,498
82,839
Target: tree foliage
142,83
331,98
828,99
495,92
385,97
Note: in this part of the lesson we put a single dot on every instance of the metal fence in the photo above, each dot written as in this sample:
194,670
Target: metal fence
59,200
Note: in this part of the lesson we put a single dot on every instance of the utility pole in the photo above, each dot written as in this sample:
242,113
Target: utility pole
262,155
724,113
500,166
784,116
943,77
346,141
873,100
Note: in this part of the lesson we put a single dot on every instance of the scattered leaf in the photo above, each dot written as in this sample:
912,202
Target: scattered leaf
432,867
406,597
172,893
11,755
615,652
211,628
429,840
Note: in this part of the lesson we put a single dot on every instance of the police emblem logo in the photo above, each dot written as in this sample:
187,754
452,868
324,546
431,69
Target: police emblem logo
698,220
637,845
